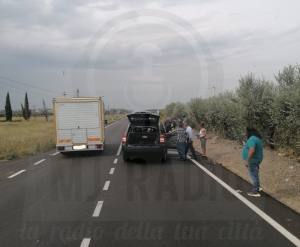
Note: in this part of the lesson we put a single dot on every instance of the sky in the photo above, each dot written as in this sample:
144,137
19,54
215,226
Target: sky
141,54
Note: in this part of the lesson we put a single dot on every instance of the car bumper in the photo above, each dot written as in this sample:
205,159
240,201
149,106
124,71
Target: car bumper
144,151
89,147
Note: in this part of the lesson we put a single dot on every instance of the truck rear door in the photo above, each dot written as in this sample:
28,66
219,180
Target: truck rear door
78,122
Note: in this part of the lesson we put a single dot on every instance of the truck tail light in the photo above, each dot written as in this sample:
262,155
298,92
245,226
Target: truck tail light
161,139
60,148
124,139
99,146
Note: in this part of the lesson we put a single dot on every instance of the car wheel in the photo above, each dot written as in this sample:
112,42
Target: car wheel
164,158
126,158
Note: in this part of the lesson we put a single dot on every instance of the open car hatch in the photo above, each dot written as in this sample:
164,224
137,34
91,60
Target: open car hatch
143,119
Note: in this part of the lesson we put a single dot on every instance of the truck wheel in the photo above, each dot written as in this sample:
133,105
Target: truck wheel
126,158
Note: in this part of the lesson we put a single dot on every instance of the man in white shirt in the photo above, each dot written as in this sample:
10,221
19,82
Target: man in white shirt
189,144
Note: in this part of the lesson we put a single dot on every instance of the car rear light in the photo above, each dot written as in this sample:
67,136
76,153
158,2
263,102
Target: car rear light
60,148
161,139
99,146
124,139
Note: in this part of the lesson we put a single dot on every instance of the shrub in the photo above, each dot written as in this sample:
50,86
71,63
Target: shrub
37,147
274,109
49,145
10,155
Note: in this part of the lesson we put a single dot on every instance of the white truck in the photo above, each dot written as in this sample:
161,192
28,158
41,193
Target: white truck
79,124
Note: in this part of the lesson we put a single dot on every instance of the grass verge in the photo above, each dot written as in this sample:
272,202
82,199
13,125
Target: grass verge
20,139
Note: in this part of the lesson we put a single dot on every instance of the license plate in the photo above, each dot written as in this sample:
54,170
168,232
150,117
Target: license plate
79,147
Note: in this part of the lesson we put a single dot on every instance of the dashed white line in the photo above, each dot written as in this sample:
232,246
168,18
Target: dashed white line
115,161
119,150
112,171
106,185
11,176
54,153
85,242
39,162
98,209
267,218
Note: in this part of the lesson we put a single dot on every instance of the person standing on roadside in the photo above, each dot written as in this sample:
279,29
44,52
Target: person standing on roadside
167,124
179,120
190,140
202,137
253,155
181,140
185,118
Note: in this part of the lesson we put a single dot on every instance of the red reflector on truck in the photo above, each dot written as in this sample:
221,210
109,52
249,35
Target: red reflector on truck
60,148
93,139
99,146
65,140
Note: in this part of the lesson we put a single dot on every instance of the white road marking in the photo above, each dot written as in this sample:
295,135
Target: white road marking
119,150
98,209
85,242
54,153
267,218
11,176
106,185
39,162
115,161
112,171
114,123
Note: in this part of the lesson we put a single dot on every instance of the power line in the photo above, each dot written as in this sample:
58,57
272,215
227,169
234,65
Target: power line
29,85
12,91
25,90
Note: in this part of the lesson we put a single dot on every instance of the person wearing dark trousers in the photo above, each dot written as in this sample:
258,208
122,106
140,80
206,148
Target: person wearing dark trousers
190,140
168,124
181,136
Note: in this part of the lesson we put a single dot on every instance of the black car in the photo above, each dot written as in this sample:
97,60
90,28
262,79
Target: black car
145,137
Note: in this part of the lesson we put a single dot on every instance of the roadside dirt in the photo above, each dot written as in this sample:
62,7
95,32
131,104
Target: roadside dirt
279,175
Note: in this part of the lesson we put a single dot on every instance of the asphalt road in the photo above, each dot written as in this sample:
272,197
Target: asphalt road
93,199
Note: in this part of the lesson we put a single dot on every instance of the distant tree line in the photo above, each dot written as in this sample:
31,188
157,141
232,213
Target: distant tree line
273,108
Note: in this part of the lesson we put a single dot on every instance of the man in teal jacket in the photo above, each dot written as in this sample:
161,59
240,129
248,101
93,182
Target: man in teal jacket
253,156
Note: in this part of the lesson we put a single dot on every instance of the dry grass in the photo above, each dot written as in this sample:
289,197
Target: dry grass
20,139
113,118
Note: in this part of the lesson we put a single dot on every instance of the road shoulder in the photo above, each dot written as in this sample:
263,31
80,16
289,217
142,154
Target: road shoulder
279,175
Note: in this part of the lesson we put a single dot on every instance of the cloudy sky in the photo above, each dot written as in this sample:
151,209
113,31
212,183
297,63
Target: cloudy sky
141,54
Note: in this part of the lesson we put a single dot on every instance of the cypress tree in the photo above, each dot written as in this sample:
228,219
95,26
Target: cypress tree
8,110
26,112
